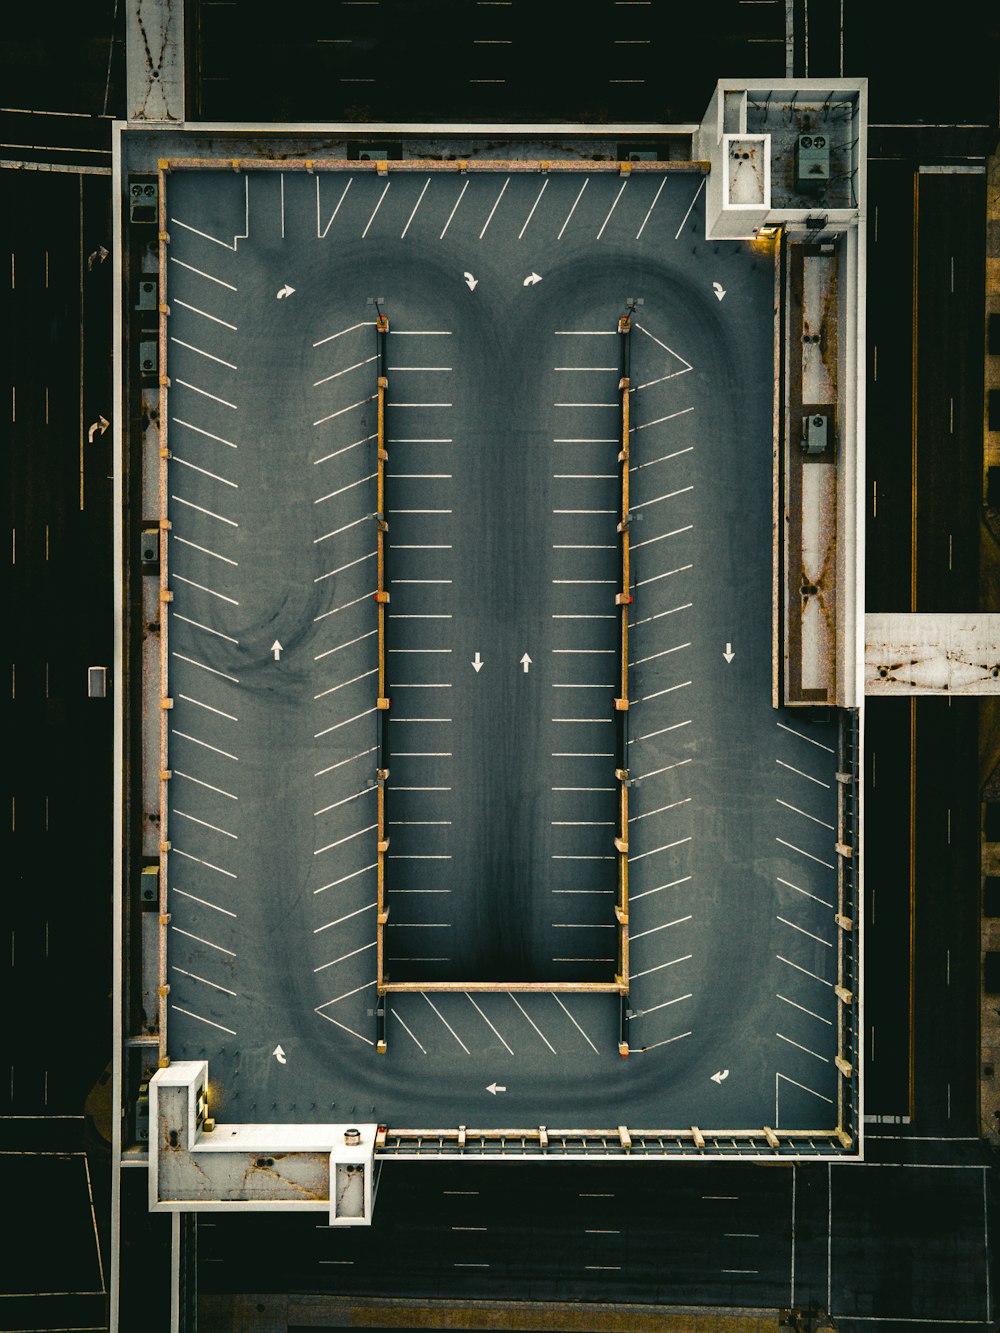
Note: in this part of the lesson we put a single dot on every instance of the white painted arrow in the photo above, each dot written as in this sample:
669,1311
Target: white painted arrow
729,654
531,279
719,290
477,663
279,1055
525,662
99,426
717,1078
495,1088
470,282
277,650
285,291
100,254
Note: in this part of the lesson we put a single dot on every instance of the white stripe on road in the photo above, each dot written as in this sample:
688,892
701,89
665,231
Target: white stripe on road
494,208
415,207
221,790
204,550
431,1002
207,433
573,209
350,565
201,940
235,679
350,836
201,274
651,207
621,191
350,643
340,763
225,753
207,355
202,588
453,211
204,823
678,921
326,731
210,513
486,1020
533,207
820,744
207,628
344,878
336,454
205,394
214,318
209,864
817,859
376,209
232,716
346,371
205,903
177,1009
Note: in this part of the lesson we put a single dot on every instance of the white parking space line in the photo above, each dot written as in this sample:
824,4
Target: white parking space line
344,878
532,1022
350,642
805,970
442,1017
634,740
804,1010
660,966
346,371
395,1013
665,1004
321,234
207,236
202,274
415,207
204,550
657,693
177,1009
208,864
201,940
672,806
678,921
487,1022
667,1041
666,769
586,651
349,838
802,775
640,661
361,324
575,1023
203,901
818,744
533,207
343,959
345,606
805,814
184,735
345,449
651,207
503,190
665,458
690,208
341,762
670,495
204,823
365,791
361,402
621,191
195,977
349,487
198,703
179,578
675,532
805,892
194,309
819,861
454,210
685,606
369,555
188,778
376,209
208,355
336,727
207,628
685,879
344,1028
573,209
207,433
814,1054
368,907
205,394
209,513
366,518
827,944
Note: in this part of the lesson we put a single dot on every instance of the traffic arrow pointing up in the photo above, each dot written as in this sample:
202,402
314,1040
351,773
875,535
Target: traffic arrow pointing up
477,663
277,650
729,654
526,662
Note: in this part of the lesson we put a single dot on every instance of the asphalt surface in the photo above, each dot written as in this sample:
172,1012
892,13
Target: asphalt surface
842,1240
501,500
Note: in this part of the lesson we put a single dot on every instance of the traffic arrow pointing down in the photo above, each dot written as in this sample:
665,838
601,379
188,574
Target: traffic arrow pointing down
729,654
477,663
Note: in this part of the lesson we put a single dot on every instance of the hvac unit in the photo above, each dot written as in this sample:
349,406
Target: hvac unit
148,352
142,201
812,160
815,434
149,550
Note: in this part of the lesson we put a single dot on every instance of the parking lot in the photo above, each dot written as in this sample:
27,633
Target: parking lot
503,294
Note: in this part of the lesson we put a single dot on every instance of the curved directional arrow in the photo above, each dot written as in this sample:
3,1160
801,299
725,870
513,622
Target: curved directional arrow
470,282
279,1055
531,279
285,291
719,290
717,1078
98,428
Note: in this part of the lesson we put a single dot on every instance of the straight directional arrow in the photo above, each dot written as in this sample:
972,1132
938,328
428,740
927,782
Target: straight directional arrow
526,662
495,1088
477,663
729,654
277,650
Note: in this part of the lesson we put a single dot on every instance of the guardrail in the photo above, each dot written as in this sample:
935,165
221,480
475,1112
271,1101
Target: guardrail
166,596
849,1052
382,699
381,166
623,600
